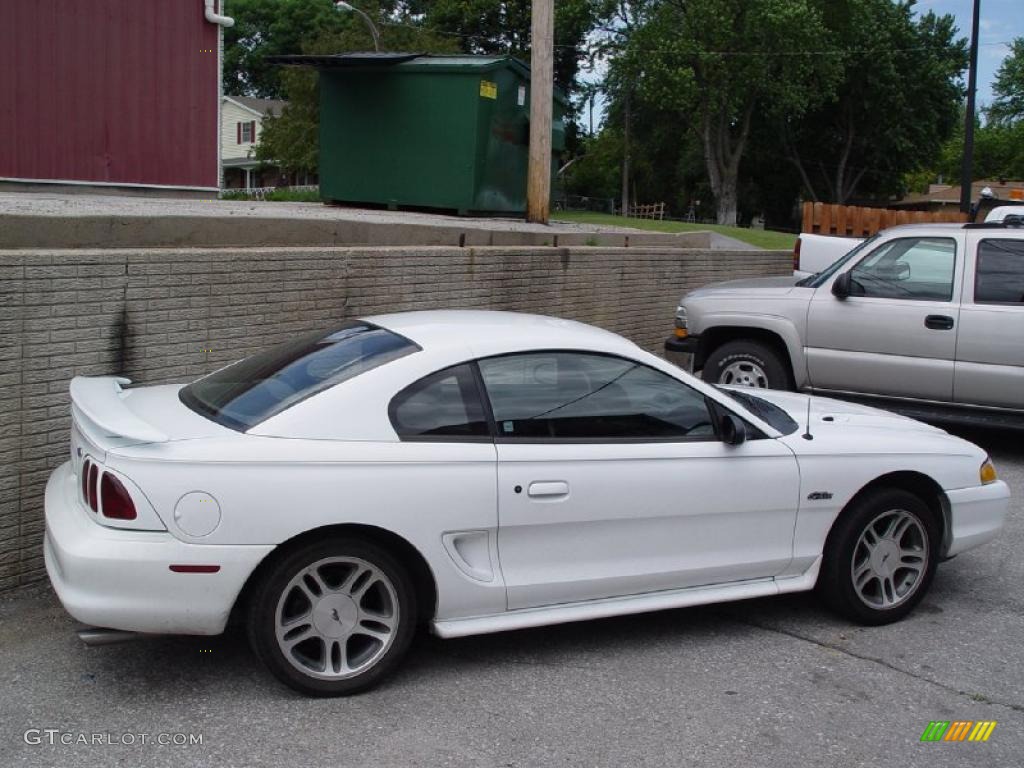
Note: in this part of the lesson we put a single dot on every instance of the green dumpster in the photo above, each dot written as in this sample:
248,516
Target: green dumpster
424,131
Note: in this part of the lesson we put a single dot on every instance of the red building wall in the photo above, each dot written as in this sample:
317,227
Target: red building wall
111,91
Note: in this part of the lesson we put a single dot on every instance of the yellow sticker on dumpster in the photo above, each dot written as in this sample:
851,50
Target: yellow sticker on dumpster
488,90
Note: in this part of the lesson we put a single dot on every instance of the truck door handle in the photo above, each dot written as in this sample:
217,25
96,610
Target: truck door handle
939,322
548,489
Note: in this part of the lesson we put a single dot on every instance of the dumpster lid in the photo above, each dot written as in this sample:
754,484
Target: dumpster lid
406,62
337,60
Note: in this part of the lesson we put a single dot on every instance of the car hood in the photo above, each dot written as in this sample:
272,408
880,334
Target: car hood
777,286
837,426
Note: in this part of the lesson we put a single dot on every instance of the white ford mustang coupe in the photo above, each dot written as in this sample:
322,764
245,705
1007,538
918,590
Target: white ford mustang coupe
480,472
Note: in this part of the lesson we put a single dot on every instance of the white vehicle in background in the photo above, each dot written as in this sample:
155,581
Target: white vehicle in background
816,253
478,472
1005,214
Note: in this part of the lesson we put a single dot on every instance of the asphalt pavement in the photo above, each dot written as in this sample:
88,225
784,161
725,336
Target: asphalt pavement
774,682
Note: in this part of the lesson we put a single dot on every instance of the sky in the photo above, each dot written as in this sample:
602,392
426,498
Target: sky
1001,22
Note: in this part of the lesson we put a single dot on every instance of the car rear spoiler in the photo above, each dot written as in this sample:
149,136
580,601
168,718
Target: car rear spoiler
101,400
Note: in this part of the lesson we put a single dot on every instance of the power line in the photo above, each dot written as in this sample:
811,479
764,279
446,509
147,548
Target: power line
596,48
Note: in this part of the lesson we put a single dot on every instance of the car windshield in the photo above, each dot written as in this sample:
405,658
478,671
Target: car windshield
820,278
767,412
252,390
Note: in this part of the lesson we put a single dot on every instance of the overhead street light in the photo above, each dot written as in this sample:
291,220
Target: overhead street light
341,5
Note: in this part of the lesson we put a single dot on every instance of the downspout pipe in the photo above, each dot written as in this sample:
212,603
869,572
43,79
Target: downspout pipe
215,18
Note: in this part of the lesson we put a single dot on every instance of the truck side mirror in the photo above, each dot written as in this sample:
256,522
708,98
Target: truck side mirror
841,286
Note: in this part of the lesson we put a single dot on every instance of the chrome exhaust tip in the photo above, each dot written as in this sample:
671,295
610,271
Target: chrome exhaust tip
103,636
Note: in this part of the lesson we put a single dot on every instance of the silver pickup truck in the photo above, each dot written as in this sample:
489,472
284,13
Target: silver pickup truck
929,317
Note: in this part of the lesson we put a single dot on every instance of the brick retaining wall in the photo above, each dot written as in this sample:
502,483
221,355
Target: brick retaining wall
150,314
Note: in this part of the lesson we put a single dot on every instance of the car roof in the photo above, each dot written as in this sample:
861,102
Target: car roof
489,332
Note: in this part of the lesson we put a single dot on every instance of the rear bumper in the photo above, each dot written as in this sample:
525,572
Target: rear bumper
122,579
976,515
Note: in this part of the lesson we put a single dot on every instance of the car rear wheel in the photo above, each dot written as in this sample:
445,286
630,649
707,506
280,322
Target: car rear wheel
880,557
333,617
746,363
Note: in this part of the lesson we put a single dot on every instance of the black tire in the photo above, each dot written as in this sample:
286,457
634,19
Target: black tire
754,354
391,591
836,584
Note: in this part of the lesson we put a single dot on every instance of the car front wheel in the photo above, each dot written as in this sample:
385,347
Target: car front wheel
746,363
880,557
333,617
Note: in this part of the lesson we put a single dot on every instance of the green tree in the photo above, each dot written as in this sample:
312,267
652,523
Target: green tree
271,28
1008,88
897,101
715,63
503,26
998,152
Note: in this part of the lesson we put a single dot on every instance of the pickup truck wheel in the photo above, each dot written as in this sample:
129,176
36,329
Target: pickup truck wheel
746,363
880,557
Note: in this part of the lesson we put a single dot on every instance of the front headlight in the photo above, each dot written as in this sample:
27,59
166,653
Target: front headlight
681,329
988,472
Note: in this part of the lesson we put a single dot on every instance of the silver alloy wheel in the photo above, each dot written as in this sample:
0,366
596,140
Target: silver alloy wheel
890,559
744,373
336,618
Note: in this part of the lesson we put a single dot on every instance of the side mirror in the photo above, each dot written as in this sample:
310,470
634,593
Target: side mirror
841,286
733,430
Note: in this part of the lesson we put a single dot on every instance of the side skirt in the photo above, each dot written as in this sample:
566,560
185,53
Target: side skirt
525,618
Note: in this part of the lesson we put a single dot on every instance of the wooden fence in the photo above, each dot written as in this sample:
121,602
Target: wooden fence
652,211
855,221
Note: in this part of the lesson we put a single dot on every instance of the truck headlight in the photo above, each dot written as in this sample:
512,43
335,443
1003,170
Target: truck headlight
681,330
988,472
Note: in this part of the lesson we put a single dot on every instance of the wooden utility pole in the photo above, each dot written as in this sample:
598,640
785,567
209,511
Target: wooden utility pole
542,74
967,163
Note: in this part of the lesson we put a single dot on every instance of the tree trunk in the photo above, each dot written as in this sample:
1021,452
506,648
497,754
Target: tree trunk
625,157
722,159
725,201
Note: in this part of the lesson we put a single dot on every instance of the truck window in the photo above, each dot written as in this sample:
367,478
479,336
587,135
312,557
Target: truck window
999,277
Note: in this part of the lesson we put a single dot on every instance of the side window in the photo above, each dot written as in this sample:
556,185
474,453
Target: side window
571,395
1000,272
909,268
444,405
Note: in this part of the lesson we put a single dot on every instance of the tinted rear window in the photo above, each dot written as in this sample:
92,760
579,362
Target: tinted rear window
252,390
1000,278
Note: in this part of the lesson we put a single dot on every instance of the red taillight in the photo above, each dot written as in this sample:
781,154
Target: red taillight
94,473
796,256
85,480
117,504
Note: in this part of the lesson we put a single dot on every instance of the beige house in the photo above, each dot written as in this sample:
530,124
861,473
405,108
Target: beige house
241,127
941,197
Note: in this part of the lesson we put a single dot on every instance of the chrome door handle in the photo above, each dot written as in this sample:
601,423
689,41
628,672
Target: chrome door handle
548,489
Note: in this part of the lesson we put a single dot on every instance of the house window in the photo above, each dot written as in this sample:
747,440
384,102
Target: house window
247,132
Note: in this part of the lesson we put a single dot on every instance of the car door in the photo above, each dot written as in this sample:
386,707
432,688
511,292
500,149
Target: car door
989,368
895,334
611,481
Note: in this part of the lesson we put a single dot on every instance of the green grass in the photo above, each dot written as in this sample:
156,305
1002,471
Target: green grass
763,239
